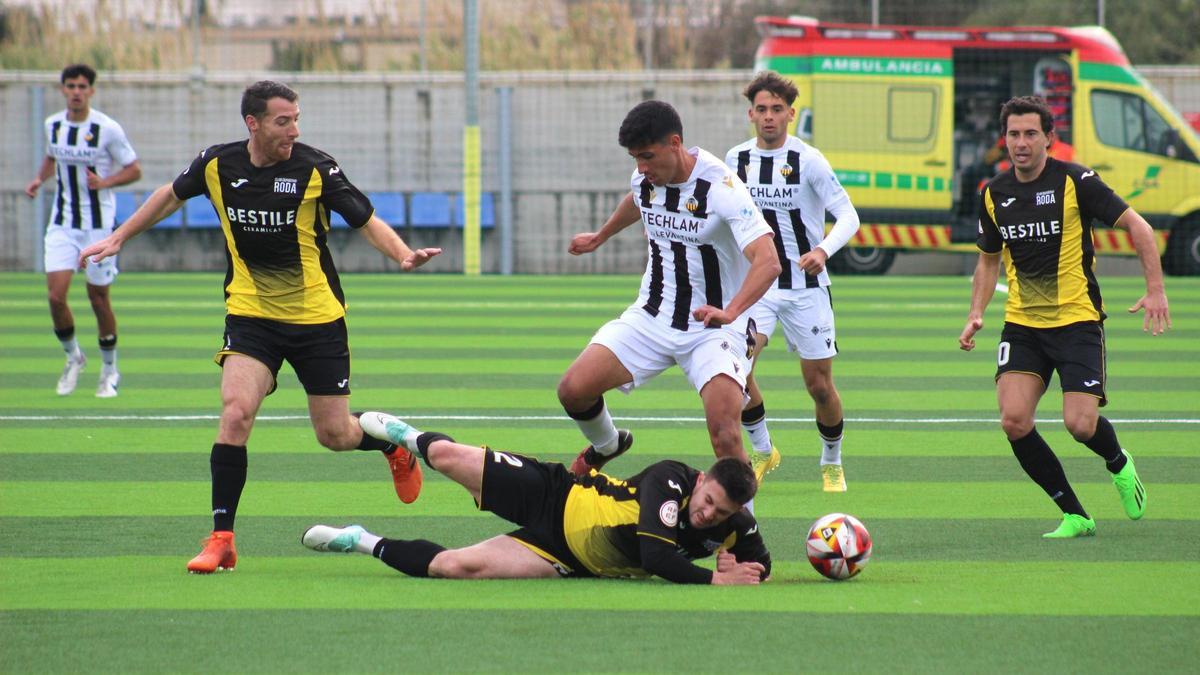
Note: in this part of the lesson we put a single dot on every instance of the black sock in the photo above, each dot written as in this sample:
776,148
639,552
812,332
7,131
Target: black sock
64,333
831,433
590,413
369,442
425,440
754,414
1043,467
1104,443
228,466
411,556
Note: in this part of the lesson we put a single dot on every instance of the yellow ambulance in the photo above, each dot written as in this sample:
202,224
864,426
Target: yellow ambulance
909,118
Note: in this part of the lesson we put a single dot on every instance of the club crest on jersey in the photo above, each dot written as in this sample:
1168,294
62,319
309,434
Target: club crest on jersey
692,204
285,186
786,170
88,137
728,181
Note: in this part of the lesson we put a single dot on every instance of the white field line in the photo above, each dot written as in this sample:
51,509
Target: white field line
562,418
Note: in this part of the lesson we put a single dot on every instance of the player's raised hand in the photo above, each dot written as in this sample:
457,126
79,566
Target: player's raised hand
105,248
585,242
742,574
419,257
94,181
813,262
1158,315
966,341
712,316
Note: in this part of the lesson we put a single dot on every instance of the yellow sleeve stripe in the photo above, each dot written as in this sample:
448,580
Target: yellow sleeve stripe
651,534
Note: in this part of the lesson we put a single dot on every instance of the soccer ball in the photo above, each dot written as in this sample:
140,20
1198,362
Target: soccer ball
838,546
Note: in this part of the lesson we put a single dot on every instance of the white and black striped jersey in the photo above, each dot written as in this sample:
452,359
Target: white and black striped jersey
793,186
97,144
696,232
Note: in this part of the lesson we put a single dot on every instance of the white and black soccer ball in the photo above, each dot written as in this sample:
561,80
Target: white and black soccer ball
839,546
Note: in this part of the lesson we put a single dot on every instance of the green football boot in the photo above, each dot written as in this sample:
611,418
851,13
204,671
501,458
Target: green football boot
1072,526
1131,490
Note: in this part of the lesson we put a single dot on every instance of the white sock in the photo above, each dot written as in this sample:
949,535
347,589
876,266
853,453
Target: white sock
109,354
71,347
366,543
760,438
831,451
600,431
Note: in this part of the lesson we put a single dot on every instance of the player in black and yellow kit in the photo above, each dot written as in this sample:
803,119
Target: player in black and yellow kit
590,525
283,300
1037,217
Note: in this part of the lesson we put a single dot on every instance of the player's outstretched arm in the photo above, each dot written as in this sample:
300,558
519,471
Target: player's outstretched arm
626,214
740,574
386,241
160,204
44,172
1158,315
983,287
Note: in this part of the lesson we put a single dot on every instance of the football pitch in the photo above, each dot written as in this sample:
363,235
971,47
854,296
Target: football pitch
102,502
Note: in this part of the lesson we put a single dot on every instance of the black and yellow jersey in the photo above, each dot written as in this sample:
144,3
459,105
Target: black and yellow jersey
610,524
1044,229
276,220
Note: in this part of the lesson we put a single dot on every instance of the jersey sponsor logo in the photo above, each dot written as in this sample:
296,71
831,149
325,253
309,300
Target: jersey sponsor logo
335,170
672,222
1091,383
254,220
1008,201
239,182
343,383
710,545
674,486
668,513
752,530
285,186
770,192
1045,197
1087,174
1038,231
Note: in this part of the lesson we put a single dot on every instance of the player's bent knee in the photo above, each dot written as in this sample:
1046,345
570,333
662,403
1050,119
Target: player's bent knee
455,564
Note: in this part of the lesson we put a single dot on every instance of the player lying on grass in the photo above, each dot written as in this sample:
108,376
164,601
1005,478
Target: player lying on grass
654,523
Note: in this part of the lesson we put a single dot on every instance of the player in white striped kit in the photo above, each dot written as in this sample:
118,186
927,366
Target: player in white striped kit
794,186
710,259
88,153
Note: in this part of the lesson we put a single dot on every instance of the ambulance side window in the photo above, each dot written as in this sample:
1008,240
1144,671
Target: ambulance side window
1127,121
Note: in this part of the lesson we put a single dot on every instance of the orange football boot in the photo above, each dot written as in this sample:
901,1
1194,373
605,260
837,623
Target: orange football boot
406,474
218,554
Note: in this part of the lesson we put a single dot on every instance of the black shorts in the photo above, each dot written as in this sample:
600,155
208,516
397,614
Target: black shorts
1076,351
531,494
319,353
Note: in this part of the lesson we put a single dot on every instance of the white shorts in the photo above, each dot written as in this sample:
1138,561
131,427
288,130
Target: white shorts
646,348
62,249
806,315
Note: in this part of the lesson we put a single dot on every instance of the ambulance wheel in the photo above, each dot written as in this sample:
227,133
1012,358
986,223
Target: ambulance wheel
858,260
1183,249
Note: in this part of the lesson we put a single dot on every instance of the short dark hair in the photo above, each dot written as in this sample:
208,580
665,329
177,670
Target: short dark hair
76,70
254,99
1023,105
736,477
769,80
649,122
